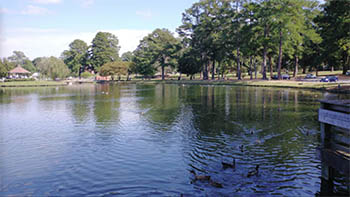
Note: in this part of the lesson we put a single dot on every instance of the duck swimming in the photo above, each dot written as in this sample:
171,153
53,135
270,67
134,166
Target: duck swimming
229,165
200,177
241,147
254,172
215,184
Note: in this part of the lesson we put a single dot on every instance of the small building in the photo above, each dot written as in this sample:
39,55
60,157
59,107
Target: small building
18,72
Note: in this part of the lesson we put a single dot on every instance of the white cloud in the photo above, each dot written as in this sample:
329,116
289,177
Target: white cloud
144,13
6,11
46,1
52,42
87,3
35,10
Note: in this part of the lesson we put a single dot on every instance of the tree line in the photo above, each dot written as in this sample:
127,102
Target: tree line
216,38
241,36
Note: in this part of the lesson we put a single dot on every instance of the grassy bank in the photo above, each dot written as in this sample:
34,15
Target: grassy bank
260,83
32,83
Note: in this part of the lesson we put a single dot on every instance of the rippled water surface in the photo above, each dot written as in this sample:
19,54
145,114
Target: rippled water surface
140,140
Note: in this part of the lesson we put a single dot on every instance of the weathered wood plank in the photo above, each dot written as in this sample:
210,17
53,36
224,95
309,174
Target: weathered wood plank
341,138
334,118
345,132
336,160
336,105
338,147
337,102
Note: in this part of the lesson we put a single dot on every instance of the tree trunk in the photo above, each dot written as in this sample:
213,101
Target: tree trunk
256,70
205,71
213,71
304,70
250,68
296,66
263,69
191,77
270,67
332,68
238,62
238,66
162,71
346,66
280,57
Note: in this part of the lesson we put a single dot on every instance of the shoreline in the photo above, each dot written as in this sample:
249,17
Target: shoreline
22,84
319,86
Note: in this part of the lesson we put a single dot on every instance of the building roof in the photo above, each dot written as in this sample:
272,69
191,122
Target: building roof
19,70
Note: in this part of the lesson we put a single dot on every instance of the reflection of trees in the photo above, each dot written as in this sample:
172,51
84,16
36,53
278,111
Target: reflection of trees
81,108
162,102
237,110
106,104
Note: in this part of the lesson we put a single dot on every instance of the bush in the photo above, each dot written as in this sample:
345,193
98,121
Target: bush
23,79
86,75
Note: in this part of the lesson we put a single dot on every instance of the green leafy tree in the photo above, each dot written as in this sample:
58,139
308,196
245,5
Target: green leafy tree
104,49
6,66
52,67
19,58
74,57
127,56
158,49
334,23
190,62
202,29
143,64
118,68
3,69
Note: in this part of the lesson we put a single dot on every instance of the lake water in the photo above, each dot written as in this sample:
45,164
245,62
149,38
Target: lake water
139,140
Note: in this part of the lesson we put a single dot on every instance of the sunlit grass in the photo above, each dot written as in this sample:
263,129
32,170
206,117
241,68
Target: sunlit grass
31,83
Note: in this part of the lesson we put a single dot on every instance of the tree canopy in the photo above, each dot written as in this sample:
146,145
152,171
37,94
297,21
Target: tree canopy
105,48
158,49
74,58
52,67
118,68
19,58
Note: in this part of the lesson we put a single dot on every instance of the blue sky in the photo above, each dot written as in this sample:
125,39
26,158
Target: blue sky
46,27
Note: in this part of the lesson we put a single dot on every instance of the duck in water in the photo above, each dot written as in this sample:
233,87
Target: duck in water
242,148
200,177
254,172
215,184
229,165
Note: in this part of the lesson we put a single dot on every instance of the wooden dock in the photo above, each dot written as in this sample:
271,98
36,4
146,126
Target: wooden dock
334,117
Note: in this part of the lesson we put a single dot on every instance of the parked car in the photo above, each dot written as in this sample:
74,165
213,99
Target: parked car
310,76
347,73
333,78
329,79
285,76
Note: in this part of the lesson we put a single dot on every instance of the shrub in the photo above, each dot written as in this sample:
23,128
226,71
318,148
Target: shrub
86,75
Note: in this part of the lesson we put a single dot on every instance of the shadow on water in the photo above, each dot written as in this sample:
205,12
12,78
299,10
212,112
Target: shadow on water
146,139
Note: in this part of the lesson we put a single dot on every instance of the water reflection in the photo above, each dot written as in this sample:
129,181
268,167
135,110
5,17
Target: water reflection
144,140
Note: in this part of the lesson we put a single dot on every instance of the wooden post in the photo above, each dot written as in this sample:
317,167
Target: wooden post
334,118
